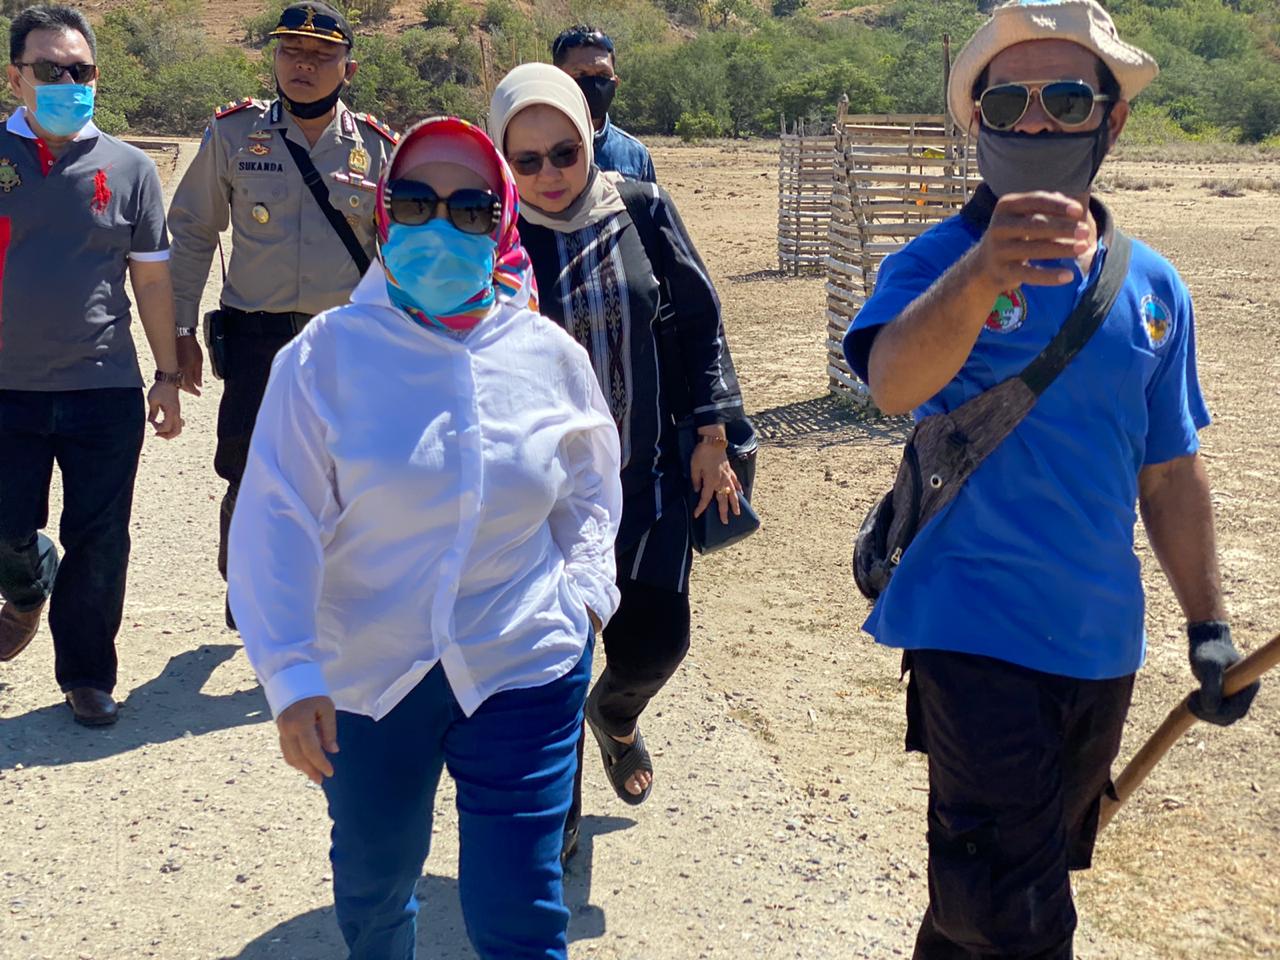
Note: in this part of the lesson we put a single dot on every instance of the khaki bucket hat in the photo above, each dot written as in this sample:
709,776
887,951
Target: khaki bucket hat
1079,21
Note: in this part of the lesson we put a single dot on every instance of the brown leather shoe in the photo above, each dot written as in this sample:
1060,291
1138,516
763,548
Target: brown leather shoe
93,707
17,629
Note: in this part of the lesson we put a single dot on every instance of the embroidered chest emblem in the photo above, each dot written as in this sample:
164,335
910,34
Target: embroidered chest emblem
259,150
9,178
101,193
1156,320
1009,312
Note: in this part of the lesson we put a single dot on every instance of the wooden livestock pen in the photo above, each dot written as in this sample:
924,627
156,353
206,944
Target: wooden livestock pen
805,169
896,175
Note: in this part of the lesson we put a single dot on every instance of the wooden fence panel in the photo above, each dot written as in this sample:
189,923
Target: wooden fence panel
896,175
805,181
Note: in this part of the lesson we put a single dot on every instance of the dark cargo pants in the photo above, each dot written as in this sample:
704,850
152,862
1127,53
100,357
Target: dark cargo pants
1018,764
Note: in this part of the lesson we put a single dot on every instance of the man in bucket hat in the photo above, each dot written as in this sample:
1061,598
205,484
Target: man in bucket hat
1019,607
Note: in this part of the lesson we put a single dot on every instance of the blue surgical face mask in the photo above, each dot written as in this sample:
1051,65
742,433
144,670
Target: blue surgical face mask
63,109
438,270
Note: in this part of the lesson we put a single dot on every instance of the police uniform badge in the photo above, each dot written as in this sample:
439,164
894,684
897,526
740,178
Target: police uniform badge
259,149
9,177
358,161
260,213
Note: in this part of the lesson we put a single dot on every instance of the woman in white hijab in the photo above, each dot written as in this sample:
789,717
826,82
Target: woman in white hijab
610,258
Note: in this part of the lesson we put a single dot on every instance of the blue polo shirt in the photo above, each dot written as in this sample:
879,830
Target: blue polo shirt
620,152
1033,562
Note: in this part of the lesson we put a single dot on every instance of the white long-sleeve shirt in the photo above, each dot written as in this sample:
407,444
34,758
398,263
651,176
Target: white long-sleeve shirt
413,498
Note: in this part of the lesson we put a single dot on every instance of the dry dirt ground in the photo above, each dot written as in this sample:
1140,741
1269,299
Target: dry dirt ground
786,821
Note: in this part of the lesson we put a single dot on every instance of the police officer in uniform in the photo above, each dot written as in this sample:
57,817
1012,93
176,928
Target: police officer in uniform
291,257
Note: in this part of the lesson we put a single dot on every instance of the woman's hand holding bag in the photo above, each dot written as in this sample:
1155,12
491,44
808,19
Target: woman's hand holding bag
713,476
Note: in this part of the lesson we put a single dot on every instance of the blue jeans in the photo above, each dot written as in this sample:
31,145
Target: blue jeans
95,437
513,762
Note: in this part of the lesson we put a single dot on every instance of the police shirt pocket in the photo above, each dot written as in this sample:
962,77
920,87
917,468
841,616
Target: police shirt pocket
356,204
260,207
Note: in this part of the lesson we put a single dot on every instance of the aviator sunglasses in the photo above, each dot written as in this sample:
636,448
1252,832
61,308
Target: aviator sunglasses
46,71
413,203
1069,102
562,156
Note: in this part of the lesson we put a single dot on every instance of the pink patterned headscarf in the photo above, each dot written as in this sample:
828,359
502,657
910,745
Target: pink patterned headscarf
513,276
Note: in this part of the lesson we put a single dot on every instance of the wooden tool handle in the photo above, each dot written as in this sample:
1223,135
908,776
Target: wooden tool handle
1179,721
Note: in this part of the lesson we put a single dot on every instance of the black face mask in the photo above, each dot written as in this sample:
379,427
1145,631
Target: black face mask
316,108
599,92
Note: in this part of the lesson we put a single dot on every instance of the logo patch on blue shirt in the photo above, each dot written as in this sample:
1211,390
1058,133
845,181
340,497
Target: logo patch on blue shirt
1157,320
1009,313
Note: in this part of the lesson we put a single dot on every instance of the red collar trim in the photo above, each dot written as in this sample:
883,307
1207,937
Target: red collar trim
47,159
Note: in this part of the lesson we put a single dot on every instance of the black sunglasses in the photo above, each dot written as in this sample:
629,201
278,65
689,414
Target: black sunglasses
1069,102
321,24
413,203
580,38
562,156
46,71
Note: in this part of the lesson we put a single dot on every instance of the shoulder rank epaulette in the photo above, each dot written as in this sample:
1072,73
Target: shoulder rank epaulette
379,126
233,107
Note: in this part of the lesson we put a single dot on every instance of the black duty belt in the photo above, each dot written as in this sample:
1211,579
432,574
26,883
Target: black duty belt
258,323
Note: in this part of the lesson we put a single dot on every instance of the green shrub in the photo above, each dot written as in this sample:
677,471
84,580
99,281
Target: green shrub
185,94
452,14
692,127
258,27
367,11
501,15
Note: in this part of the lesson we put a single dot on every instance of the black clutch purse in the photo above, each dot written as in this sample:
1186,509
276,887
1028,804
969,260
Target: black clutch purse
707,532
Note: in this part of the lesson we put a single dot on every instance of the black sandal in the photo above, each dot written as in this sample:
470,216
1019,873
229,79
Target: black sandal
622,760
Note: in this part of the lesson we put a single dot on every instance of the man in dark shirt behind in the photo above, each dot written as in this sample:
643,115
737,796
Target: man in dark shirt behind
587,55
78,211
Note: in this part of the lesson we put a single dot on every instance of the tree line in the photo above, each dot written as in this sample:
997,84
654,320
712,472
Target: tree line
697,68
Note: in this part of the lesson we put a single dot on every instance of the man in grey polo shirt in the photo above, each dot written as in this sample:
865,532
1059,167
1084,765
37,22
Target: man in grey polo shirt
78,209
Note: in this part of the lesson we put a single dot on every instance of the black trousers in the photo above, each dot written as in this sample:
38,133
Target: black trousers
95,437
1018,763
248,365
644,645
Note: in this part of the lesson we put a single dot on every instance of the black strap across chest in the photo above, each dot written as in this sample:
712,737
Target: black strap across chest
315,183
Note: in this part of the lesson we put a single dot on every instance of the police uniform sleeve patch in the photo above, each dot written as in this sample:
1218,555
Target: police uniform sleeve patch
234,106
380,127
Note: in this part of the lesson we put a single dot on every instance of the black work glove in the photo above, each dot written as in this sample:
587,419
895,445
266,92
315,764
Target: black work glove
1212,652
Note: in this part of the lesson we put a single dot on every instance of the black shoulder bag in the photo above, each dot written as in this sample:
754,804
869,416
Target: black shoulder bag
946,448
708,533
315,183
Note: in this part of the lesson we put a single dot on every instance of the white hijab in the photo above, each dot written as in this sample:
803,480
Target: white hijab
541,83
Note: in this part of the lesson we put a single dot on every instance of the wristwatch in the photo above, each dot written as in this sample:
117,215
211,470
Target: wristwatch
173,378
186,331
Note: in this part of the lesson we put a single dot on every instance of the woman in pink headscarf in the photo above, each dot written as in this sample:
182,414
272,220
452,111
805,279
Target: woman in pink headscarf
422,551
